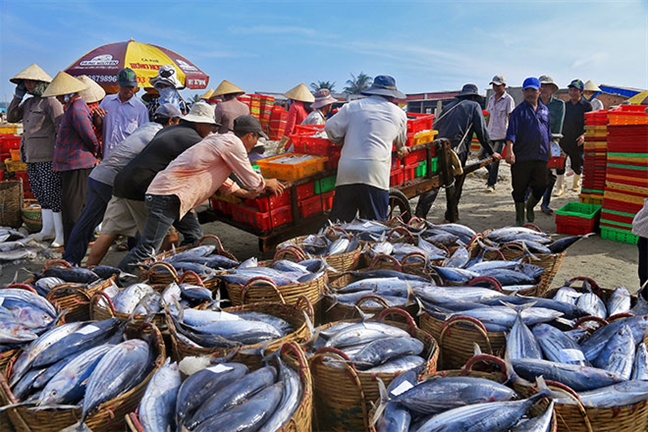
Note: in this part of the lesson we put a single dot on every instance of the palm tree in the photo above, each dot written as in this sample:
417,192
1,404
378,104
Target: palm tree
323,84
357,84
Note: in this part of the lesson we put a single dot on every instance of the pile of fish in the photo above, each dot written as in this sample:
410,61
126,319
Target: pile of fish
24,316
320,245
80,363
459,403
225,397
373,347
281,272
204,260
220,329
15,247
534,241
586,299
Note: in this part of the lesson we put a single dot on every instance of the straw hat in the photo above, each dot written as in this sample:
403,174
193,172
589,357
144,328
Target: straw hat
62,84
201,112
322,98
32,72
547,80
207,95
226,87
300,93
590,86
94,92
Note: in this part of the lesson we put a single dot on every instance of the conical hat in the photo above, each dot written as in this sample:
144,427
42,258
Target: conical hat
207,95
94,92
62,84
32,72
226,87
590,86
300,93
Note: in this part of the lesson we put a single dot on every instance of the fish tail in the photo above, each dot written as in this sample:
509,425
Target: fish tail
476,349
384,399
528,253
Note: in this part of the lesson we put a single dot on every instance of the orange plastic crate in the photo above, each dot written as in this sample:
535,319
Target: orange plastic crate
291,166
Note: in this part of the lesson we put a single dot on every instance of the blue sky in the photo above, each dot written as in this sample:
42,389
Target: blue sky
274,45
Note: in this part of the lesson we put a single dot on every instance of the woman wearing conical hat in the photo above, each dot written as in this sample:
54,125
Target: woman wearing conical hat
299,95
229,108
590,91
92,96
41,117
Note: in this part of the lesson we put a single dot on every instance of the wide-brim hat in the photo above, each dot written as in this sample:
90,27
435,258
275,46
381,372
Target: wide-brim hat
590,86
201,112
166,75
384,85
32,72
498,80
62,84
469,90
547,80
322,98
225,88
207,95
300,93
94,92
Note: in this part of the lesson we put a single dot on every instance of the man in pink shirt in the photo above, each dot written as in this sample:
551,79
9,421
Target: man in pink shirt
193,177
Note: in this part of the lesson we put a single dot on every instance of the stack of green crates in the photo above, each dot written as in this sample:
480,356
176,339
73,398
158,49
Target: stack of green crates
324,185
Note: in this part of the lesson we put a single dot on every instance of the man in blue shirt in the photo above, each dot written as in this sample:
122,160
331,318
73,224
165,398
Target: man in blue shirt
527,139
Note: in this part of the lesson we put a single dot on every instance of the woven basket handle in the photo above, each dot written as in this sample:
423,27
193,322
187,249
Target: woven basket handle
94,301
563,388
294,250
494,283
194,277
466,320
58,263
411,325
401,230
219,246
256,283
371,297
588,318
133,423
336,232
375,262
78,289
485,358
619,316
166,266
22,286
595,287
512,246
414,256
416,223
307,307
532,226
294,350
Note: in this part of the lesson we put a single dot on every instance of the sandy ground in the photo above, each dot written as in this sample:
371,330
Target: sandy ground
609,263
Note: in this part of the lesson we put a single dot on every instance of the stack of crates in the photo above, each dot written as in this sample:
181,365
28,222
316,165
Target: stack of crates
310,139
626,172
265,113
14,169
278,120
246,99
316,196
419,128
255,105
595,157
577,218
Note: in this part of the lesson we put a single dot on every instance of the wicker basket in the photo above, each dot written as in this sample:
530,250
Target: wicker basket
11,203
344,395
31,215
290,313
550,262
108,418
75,298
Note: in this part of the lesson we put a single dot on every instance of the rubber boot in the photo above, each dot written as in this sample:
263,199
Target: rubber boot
58,227
576,183
530,204
519,214
560,185
47,228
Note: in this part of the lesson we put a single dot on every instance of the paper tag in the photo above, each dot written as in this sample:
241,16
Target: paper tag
571,355
402,388
87,329
1,300
367,224
219,368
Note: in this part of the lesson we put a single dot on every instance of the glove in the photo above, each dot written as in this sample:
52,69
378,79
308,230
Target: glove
21,90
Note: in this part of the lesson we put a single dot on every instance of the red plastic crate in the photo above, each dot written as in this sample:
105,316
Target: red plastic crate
396,177
9,142
332,162
269,202
220,206
556,162
417,122
25,179
575,225
250,216
311,145
311,206
327,200
414,157
409,172
305,191
281,216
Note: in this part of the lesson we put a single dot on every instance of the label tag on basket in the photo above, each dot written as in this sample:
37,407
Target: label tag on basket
219,368
402,388
87,329
568,355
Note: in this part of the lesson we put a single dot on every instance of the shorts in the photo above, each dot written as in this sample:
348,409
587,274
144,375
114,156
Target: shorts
125,217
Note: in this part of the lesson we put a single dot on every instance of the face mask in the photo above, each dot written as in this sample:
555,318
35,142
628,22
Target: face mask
169,95
67,97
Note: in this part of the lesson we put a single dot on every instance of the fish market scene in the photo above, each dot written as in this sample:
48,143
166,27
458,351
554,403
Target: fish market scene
290,216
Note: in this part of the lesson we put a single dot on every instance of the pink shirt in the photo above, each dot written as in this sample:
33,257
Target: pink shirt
199,171
296,115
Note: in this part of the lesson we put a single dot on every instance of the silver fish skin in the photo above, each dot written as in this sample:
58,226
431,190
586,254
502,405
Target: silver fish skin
249,415
505,316
111,291
18,254
338,246
541,423
593,345
622,394
47,283
383,350
395,417
619,301
290,399
558,347
25,386
578,335
67,386
521,342
15,333
157,406
18,297
33,318
567,295
365,332
439,394
459,258
592,304
579,378
454,274
243,331
640,366
26,358
130,297
171,297
374,285
464,233
618,355
281,325
399,365
440,295
382,248
197,317
198,251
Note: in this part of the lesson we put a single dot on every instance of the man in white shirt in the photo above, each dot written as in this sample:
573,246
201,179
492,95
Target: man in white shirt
366,129
500,105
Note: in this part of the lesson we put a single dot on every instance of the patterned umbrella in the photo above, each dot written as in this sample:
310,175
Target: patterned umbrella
102,64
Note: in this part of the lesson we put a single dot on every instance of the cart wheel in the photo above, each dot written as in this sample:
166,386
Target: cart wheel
399,206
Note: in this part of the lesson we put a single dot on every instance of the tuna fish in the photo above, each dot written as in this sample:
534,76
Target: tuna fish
558,347
383,350
156,409
618,355
579,378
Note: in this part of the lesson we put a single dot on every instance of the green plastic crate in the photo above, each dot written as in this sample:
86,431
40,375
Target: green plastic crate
324,185
619,235
421,169
579,209
434,164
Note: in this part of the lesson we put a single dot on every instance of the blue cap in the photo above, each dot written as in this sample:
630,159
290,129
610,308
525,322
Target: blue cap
531,82
577,84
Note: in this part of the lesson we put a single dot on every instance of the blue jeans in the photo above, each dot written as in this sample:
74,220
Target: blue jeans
95,206
370,201
163,211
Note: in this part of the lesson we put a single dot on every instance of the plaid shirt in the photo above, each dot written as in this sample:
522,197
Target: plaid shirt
76,143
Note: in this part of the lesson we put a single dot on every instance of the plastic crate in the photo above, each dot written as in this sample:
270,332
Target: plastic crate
11,129
415,156
324,185
421,169
591,198
578,209
14,166
311,145
220,206
305,191
434,164
270,202
556,162
396,177
311,206
9,142
577,218
409,172
281,216
417,122
251,216
327,200
618,235
291,166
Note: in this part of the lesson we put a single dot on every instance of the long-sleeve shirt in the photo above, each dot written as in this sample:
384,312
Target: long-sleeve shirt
459,120
556,114
121,120
196,174
529,131
574,124
41,118
76,145
367,128
123,153
498,114
296,115
315,118
226,112
640,221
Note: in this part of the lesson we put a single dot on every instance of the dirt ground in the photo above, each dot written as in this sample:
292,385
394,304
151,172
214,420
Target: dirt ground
609,263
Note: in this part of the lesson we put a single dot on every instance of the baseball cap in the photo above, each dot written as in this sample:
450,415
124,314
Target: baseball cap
127,78
498,80
531,82
167,110
247,123
577,84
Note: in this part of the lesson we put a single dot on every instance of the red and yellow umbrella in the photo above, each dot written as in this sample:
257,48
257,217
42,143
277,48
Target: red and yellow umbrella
102,64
